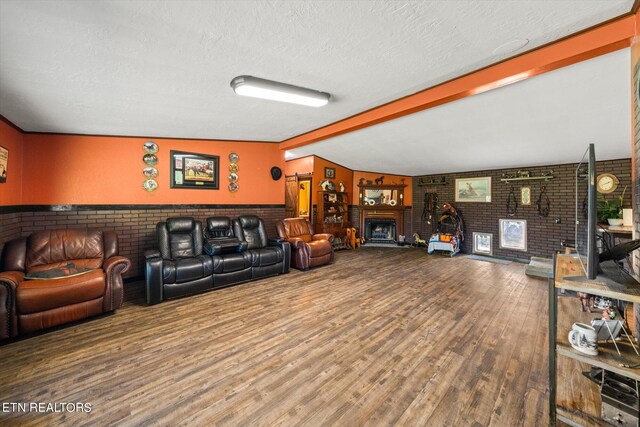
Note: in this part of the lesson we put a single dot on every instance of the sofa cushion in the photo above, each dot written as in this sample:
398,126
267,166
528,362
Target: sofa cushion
229,263
266,256
319,248
186,269
33,296
54,248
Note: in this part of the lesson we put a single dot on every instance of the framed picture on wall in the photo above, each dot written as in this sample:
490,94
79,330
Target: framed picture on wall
483,243
330,173
193,170
4,160
473,190
525,196
513,234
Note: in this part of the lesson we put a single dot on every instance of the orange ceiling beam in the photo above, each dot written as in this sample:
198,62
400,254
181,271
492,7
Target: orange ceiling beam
602,39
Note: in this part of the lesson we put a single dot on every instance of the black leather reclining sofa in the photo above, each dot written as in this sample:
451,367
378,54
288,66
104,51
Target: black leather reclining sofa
190,261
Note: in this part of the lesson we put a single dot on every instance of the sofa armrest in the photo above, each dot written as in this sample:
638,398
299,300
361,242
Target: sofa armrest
114,267
286,248
9,281
153,282
152,253
323,236
296,242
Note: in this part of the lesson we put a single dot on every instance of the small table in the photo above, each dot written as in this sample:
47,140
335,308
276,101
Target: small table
613,232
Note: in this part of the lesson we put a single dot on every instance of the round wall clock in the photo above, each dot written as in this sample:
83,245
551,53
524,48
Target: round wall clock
607,183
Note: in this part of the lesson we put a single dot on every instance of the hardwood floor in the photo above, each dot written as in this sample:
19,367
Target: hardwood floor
382,337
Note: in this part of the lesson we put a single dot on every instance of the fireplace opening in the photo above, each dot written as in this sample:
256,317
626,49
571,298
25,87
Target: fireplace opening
380,230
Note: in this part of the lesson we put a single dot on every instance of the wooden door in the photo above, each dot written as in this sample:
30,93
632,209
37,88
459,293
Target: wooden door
291,196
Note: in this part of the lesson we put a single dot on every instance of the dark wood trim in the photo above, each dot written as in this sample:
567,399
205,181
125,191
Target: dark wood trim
10,123
635,7
68,208
149,137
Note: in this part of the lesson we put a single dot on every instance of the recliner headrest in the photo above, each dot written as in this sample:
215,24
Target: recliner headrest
218,223
249,221
177,225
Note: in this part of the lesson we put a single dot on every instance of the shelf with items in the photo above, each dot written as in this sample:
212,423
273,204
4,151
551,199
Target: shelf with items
607,358
573,398
333,215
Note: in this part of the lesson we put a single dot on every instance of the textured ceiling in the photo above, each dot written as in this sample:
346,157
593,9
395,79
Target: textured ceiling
163,68
548,119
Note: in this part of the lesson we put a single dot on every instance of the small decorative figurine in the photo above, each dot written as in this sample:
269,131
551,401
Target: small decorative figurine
341,187
586,301
380,181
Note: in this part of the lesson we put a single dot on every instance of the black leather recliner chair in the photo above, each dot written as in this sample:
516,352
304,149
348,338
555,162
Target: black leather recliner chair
178,267
269,257
231,264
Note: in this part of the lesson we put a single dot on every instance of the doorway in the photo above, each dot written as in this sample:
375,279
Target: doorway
298,196
304,198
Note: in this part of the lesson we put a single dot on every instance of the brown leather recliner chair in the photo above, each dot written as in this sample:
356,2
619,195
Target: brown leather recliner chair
30,305
307,249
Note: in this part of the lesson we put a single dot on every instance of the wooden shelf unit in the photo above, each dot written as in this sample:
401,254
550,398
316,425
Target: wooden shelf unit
563,312
333,216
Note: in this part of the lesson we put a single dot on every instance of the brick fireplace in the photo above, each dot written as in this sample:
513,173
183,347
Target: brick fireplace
381,224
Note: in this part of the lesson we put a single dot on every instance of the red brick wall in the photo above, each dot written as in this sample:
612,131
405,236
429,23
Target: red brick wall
543,234
135,227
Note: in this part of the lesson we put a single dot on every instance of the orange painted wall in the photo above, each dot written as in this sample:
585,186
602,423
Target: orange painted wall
388,179
299,166
12,140
62,169
342,174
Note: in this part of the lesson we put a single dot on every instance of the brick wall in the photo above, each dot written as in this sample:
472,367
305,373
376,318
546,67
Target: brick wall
10,226
543,234
135,227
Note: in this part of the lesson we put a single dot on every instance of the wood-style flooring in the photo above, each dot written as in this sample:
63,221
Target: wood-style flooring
384,336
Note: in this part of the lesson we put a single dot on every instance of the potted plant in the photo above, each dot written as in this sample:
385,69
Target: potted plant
611,210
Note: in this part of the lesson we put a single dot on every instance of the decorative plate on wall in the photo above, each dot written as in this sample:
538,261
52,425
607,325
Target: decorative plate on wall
233,187
150,172
233,158
150,185
233,177
150,147
150,159
233,167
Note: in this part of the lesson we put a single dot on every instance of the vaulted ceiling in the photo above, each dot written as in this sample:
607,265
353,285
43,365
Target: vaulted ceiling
162,68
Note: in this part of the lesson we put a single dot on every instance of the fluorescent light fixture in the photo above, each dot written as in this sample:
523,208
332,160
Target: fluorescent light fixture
276,91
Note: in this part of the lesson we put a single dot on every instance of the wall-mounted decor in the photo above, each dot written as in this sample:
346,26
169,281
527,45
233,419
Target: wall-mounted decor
233,167
150,185
483,243
150,147
233,177
525,196
473,189
276,173
330,173
513,234
193,170
233,187
150,159
4,160
233,158
150,172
